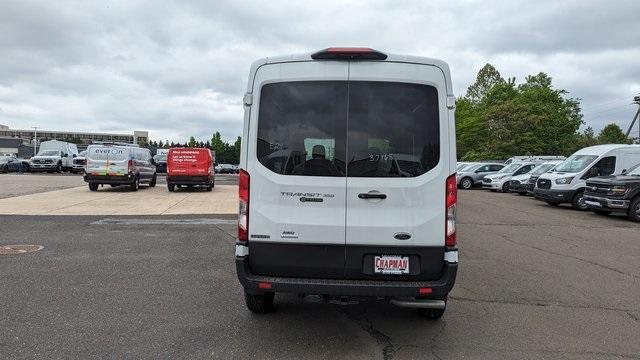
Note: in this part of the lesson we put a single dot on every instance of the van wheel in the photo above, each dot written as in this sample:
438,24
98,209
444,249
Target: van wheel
259,303
433,314
578,202
153,181
171,187
601,212
59,168
466,183
135,184
93,186
210,188
634,210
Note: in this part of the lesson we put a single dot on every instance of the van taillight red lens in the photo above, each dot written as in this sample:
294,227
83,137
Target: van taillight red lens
348,53
451,203
243,208
130,166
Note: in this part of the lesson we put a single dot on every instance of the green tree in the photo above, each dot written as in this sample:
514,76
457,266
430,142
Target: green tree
613,134
160,144
192,142
498,119
236,149
217,145
587,138
487,78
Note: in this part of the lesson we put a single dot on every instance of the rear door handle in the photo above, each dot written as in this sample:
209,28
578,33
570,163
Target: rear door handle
372,196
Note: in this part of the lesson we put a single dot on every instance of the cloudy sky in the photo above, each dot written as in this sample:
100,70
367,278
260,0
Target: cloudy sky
179,68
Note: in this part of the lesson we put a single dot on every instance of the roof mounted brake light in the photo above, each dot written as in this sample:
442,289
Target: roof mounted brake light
348,53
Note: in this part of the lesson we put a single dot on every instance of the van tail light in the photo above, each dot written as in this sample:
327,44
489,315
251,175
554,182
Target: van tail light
348,53
243,209
451,203
130,166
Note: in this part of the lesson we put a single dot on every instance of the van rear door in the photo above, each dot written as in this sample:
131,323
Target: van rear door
108,160
295,159
188,162
397,165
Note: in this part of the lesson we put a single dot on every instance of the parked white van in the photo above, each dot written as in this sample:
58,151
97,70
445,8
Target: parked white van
119,164
566,183
369,208
54,155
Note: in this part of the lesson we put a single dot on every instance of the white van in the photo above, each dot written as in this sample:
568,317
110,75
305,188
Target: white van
114,165
54,155
566,183
361,201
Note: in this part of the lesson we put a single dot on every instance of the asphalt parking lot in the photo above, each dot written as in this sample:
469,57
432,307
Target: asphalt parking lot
534,282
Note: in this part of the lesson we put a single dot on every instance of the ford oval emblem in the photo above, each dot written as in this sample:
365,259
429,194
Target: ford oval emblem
402,236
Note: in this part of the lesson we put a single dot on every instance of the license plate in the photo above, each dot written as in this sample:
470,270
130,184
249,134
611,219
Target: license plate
592,203
391,264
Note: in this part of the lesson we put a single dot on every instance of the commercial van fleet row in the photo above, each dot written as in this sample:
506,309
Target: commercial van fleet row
123,164
602,178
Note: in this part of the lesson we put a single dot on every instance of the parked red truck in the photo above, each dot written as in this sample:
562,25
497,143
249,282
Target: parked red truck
190,167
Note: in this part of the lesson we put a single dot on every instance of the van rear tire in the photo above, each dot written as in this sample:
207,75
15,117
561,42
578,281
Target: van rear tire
259,303
153,181
171,187
135,184
93,187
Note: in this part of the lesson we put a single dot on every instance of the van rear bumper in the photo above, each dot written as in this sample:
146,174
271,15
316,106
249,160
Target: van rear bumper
346,287
189,180
109,179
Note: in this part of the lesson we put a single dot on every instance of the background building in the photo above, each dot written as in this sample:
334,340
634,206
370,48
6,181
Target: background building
25,146
139,137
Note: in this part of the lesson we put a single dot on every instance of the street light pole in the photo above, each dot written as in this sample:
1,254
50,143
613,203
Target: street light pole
35,139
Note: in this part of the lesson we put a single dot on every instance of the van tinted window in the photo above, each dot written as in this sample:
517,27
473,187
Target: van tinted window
394,129
302,127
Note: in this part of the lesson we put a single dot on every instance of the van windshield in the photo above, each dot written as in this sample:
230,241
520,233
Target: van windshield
576,163
509,169
357,128
635,171
539,170
49,153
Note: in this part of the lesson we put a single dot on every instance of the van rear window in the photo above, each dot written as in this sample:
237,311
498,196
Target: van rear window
384,129
302,127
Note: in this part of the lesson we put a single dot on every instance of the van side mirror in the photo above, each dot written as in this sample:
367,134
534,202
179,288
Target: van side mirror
74,155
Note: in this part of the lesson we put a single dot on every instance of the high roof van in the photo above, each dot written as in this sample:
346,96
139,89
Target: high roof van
566,183
190,167
347,183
